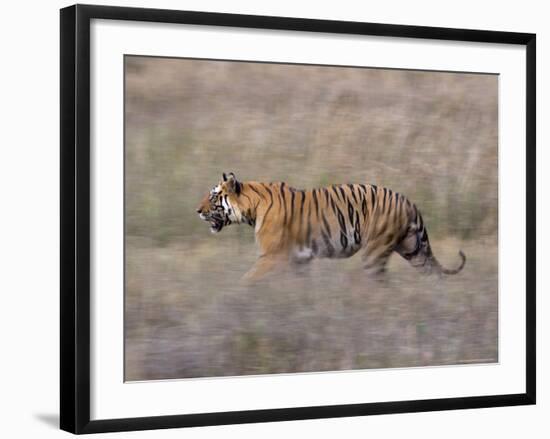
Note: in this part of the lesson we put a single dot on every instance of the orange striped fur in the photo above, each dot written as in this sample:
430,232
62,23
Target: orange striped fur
294,226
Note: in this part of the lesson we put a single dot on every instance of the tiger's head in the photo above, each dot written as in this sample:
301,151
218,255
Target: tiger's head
220,206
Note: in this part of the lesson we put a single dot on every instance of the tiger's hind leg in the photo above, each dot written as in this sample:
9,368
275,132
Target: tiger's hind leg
415,248
375,261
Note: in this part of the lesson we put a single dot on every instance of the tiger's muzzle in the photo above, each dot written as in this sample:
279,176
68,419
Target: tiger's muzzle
217,219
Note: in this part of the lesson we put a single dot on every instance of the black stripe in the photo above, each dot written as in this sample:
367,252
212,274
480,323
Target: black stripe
316,203
343,241
344,198
283,202
292,206
325,190
302,208
373,193
384,199
397,201
268,209
424,236
325,222
336,192
351,210
352,189
227,204
314,247
267,189
364,207
328,245
332,203
342,222
357,233
308,234
301,214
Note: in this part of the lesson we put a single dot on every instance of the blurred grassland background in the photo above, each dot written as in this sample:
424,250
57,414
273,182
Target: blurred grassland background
429,135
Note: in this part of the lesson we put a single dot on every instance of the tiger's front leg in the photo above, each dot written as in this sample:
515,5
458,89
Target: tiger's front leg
265,264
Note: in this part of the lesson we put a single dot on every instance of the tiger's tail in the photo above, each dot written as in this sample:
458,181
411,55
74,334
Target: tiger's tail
443,270
419,253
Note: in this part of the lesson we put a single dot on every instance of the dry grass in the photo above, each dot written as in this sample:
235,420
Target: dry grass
183,324
431,136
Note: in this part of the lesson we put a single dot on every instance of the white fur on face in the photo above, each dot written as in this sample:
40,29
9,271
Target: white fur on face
226,205
215,190
233,213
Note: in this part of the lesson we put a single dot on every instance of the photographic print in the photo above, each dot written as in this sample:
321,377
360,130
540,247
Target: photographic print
290,218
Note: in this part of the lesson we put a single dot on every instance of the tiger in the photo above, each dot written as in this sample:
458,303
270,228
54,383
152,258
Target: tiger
293,227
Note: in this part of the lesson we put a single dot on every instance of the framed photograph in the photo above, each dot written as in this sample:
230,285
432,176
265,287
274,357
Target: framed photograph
268,218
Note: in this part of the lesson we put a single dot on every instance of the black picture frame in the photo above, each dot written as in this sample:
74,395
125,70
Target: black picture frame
75,217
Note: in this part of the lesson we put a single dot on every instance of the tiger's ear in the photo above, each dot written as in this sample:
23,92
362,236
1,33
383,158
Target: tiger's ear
232,184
